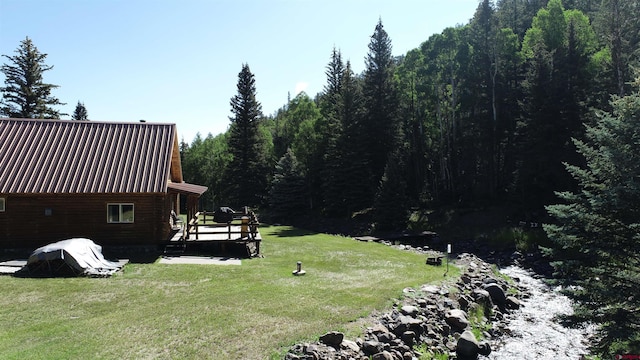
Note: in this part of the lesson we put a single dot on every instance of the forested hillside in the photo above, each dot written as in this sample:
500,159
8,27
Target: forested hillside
479,114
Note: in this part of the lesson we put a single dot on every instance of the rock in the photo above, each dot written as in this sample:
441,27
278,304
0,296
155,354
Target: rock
457,319
467,347
383,355
350,345
431,289
485,349
371,347
489,280
312,352
410,310
378,329
332,338
466,279
406,323
386,337
291,356
497,294
464,302
481,296
408,337
450,345
512,303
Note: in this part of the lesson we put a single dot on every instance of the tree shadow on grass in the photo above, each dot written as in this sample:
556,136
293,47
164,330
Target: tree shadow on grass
292,232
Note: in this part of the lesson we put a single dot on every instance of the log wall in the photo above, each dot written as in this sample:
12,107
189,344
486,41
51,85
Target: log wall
33,220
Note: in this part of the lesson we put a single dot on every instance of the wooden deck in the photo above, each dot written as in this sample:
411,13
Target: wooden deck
201,232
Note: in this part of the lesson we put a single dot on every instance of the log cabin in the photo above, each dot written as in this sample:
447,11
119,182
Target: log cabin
115,183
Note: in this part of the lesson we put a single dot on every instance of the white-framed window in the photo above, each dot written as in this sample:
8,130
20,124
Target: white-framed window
120,213
2,204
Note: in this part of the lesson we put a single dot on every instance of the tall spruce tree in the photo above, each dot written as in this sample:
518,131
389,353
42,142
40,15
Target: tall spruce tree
246,174
332,184
357,192
597,232
25,94
381,102
80,113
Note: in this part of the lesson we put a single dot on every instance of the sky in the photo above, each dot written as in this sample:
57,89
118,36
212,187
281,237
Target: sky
177,61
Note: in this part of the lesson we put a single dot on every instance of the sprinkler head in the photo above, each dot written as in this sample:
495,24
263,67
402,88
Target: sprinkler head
298,271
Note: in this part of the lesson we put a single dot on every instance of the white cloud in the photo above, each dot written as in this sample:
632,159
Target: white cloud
300,87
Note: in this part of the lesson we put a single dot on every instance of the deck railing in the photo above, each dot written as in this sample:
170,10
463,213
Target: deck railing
246,221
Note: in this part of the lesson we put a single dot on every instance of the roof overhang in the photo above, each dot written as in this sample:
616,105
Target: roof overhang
186,188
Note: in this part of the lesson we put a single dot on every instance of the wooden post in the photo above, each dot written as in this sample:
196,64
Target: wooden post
244,227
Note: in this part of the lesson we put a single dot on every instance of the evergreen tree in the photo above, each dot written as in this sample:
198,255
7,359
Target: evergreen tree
618,23
355,170
331,107
381,102
390,208
247,172
80,113
288,192
25,94
334,71
597,233
557,49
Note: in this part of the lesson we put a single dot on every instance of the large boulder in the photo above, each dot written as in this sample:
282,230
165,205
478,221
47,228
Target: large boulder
457,319
497,295
468,347
332,338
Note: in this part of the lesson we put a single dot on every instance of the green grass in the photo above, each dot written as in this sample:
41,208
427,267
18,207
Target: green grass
478,319
253,311
427,353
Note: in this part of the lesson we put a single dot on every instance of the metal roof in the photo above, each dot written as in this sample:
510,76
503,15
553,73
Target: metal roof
64,156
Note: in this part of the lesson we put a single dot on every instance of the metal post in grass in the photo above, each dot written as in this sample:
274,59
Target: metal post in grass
448,253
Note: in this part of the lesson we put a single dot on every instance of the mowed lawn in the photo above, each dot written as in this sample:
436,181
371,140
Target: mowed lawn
253,311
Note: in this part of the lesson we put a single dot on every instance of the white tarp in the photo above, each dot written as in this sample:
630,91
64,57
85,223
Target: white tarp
76,256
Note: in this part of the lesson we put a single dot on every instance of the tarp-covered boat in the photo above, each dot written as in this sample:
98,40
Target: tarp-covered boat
72,257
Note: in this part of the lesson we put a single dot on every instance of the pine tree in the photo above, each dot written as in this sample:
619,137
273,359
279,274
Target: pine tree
381,102
246,174
357,192
391,210
25,94
80,113
288,192
331,107
557,49
597,229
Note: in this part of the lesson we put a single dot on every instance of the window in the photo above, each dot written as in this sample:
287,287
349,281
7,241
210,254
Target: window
119,213
1,204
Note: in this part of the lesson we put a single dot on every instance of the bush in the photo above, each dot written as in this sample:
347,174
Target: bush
524,240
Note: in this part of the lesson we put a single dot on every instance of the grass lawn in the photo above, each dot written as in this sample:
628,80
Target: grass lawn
253,311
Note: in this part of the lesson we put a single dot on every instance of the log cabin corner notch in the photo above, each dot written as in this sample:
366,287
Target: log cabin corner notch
115,183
